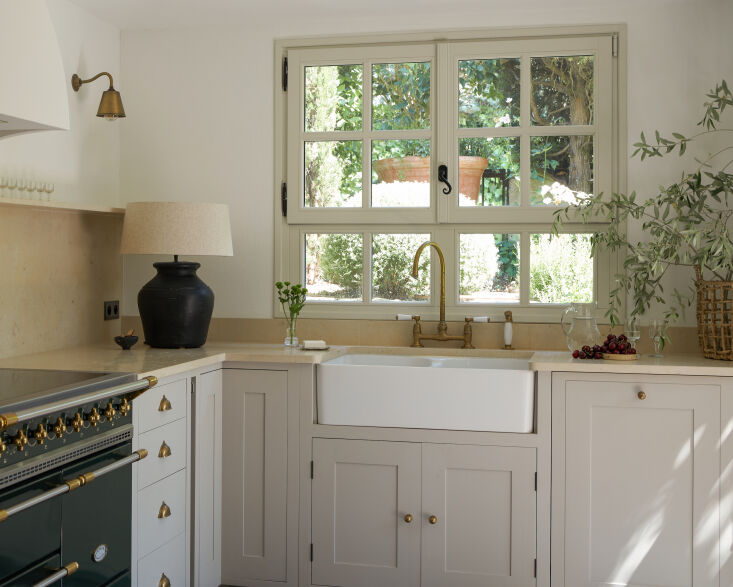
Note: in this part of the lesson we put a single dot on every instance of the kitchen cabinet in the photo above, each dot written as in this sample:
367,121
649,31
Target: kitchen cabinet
726,485
407,514
255,477
161,482
636,465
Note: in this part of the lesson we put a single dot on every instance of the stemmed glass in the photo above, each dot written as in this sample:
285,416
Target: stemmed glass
656,333
633,333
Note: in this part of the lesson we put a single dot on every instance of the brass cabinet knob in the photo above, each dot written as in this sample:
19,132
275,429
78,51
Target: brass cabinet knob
165,405
109,412
641,395
3,447
78,422
164,511
94,417
41,433
433,519
164,581
165,451
408,518
124,407
59,428
20,440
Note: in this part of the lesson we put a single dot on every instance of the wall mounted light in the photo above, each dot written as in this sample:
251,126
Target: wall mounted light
110,107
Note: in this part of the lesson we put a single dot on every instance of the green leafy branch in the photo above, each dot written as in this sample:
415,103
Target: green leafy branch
292,299
686,224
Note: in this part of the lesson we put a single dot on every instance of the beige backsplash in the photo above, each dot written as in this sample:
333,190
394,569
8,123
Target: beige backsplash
393,333
59,267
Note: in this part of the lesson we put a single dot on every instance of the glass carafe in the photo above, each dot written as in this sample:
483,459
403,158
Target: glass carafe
580,326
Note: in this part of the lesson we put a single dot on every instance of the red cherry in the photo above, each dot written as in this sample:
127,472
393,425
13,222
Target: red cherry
576,354
598,356
632,351
611,346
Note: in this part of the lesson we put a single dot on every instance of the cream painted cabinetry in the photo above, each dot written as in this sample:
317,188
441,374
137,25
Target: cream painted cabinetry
177,489
260,476
636,466
726,486
406,514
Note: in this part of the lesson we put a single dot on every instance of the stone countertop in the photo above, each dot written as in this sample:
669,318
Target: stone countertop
144,360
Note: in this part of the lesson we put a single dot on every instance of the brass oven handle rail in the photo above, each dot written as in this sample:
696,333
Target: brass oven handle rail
72,484
64,571
135,388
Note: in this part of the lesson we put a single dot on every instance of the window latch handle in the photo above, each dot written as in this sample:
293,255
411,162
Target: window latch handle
443,177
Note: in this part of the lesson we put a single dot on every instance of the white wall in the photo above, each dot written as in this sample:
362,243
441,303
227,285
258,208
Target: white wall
83,162
213,140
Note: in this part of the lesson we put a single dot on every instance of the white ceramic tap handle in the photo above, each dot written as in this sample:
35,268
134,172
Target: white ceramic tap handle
483,319
403,317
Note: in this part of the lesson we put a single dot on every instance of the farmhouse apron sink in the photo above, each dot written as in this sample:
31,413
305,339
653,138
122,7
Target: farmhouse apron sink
437,392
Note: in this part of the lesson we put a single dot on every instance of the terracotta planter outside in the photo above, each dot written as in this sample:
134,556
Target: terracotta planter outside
417,169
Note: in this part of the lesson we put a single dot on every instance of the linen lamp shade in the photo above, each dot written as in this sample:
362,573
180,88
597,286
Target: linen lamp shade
176,306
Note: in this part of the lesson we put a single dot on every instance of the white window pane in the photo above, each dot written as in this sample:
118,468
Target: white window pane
392,258
401,96
489,266
333,98
563,160
562,90
401,173
334,267
488,171
332,174
488,93
560,269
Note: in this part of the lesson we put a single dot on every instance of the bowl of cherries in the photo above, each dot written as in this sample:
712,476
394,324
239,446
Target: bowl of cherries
614,348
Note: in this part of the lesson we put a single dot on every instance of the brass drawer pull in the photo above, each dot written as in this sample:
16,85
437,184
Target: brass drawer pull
641,395
164,511
64,571
408,518
165,451
165,405
164,581
433,519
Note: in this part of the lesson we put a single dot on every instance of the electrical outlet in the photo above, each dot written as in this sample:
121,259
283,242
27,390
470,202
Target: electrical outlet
112,310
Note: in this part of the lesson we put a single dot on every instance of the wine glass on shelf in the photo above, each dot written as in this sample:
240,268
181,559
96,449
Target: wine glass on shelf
656,333
12,186
633,332
3,186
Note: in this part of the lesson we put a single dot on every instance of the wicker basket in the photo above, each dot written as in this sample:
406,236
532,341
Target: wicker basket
715,317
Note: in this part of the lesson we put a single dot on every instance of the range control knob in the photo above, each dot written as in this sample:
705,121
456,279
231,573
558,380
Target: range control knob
41,433
20,440
94,417
59,428
124,407
78,422
109,412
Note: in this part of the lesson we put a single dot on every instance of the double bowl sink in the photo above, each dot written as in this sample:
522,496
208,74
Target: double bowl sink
491,394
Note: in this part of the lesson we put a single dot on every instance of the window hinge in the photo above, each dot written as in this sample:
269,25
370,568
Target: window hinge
614,45
285,74
535,481
312,472
311,552
535,568
193,386
284,198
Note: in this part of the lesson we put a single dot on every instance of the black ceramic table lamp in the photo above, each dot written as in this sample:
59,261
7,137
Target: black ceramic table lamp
176,306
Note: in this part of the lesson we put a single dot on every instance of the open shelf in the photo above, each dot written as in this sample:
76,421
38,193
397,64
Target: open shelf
67,206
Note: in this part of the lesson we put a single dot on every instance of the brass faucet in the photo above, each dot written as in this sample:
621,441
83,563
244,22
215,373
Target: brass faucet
442,336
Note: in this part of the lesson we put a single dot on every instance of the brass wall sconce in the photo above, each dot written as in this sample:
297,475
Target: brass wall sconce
110,107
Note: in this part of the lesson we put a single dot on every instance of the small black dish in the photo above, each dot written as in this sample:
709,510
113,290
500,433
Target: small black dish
126,342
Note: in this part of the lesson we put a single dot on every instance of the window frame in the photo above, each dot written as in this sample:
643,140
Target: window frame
288,259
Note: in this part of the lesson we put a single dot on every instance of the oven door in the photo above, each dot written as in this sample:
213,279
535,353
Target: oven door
96,522
30,541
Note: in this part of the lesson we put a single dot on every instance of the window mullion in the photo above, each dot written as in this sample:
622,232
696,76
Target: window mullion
366,143
524,262
524,141
366,279
444,138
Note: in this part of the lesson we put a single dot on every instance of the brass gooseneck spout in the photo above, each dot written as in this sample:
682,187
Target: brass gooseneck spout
442,336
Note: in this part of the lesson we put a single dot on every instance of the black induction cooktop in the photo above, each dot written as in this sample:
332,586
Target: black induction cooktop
26,388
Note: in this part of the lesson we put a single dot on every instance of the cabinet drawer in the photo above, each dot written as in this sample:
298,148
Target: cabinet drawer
168,560
160,405
169,439
154,531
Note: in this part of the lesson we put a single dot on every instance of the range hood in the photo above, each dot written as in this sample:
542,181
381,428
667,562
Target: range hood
33,93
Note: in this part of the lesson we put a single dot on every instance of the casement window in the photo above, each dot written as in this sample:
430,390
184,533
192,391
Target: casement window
384,145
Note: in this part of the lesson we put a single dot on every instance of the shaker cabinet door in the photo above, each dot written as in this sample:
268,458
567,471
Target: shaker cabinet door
362,493
642,463
479,516
255,424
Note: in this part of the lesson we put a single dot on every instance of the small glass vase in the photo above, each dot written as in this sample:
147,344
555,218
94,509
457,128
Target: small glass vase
291,341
